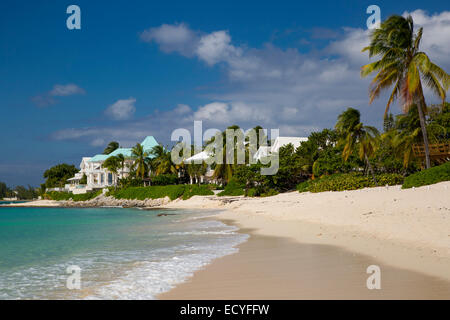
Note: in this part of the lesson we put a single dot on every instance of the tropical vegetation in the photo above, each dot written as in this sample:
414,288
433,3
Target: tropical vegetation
404,67
112,146
19,192
428,176
56,176
59,196
156,192
351,155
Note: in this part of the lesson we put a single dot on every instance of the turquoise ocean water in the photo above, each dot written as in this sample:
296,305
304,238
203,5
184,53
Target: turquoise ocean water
122,253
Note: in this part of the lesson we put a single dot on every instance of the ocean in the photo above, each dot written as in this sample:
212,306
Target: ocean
121,253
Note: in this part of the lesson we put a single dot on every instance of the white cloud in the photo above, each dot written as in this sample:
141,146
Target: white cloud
274,87
349,47
172,38
58,90
215,47
183,109
211,48
436,35
121,109
212,111
98,142
129,132
61,90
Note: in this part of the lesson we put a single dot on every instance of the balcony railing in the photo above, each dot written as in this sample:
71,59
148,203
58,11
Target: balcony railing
439,152
436,149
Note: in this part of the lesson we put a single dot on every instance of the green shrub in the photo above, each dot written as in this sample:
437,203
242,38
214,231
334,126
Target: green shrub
195,190
214,186
269,193
156,192
303,186
152,192
428,176
233,188
60,196
260,191
164,180
252,192
130,182
348,181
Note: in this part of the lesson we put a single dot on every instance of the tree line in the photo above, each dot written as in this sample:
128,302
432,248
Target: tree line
19,192
350,146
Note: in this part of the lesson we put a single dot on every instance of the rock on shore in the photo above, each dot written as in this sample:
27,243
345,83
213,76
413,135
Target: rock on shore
104,201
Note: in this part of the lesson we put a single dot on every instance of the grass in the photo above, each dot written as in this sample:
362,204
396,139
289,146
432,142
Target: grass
428,176
195,190
233,188
156,192
59,196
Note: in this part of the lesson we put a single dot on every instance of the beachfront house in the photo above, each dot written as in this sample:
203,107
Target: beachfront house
265,151
199,158
98,177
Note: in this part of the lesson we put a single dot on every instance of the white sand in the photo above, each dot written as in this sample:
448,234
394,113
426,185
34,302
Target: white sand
408,228
36,203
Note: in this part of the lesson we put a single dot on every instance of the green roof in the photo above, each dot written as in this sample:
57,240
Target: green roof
125,151
99,157
148,144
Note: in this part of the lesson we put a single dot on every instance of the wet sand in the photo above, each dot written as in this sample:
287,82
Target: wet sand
268,267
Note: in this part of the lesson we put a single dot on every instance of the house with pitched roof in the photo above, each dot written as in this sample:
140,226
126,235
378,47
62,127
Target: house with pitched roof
265,151
99,177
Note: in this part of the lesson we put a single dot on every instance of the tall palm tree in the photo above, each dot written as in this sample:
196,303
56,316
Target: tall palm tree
404,67
140,160
162,161
113,165
113,145
121,158
356,135
224,171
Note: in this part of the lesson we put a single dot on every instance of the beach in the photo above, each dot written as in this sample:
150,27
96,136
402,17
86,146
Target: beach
405,232
319,245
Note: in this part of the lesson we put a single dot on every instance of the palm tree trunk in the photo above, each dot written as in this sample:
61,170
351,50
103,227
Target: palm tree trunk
371,169
425,134
421,105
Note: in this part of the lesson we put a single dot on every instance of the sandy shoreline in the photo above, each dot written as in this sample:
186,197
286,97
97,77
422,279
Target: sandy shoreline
406,230
274,268
35,203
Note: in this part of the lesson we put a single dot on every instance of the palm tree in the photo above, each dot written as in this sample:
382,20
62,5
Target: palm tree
141,159
121,159
113,165
196,170
403,66
162,161
224,171
407,133
356,135
113,145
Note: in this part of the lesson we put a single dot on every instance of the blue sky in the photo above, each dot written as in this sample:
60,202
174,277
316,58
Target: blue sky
141,68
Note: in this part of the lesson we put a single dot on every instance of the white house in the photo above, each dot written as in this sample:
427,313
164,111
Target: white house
99,177
198,158
279,142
